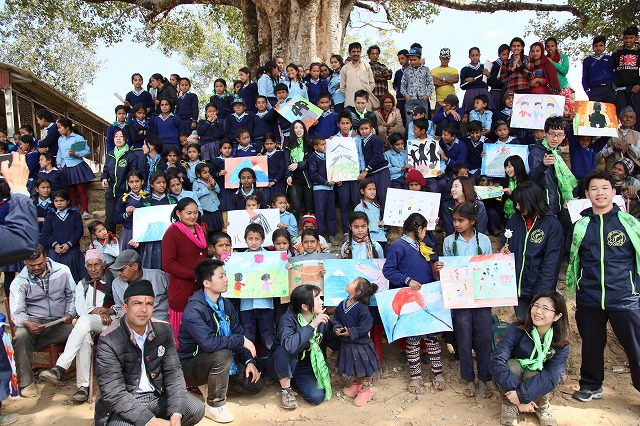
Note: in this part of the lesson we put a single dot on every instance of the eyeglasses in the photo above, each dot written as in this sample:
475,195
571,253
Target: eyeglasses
555,135
545,309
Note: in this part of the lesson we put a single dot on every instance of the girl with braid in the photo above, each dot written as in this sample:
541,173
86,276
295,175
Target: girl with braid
359,244
372,209
409,264
472,325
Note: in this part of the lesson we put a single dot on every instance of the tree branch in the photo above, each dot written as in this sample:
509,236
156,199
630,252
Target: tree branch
365,6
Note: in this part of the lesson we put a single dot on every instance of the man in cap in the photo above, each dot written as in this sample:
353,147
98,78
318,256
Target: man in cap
138,369
444,76
416,84
128,266
627,185
94,306
42,292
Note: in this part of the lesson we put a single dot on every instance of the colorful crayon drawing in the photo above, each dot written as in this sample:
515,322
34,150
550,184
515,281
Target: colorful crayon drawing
340,272
485,192
531,111
306,270
423,156
256,274
496,153
479,281
239,219
595,119
575,207
406,312
342,159
299,108
402,202
234,165
150,223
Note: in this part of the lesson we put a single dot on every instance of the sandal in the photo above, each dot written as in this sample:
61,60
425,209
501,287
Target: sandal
470,390
414,386
484,389
438,382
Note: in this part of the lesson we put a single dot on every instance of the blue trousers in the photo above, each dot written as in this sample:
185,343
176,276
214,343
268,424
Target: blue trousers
282,365
411,104
399,183
473,330
325,206
603,93
348,197
264,319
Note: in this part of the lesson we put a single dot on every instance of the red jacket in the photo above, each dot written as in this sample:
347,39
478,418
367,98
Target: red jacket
179,258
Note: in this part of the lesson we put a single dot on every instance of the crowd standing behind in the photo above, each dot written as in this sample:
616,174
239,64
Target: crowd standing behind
160,150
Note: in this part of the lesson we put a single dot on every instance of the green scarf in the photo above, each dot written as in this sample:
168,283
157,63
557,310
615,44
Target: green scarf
540,349
509,208
318,363
631,227
566,181
119,152
297,152
360,114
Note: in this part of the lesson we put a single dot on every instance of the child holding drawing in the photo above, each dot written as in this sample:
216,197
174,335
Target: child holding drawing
409,264
472,325
398,161
372,209
323,195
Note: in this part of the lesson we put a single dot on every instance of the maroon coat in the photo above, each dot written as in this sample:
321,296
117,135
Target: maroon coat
179,258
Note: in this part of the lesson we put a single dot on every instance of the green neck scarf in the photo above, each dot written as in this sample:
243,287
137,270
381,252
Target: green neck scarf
566,181
540,349
360,114
119,152
297,152
631,227
320,369
509,208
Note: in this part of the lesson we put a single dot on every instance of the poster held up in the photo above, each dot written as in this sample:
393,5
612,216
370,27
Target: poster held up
239,219
150,223
575,207
423,156
340,272
258,164
298,108
496,153
342,159
401,203
595,119
531,111
255,275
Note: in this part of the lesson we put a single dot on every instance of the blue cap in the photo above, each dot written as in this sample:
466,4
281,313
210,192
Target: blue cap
414,51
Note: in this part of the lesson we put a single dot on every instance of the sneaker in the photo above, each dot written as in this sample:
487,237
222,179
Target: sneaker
7,419
29,391
53,375
81,395
289,399
363,397
219,414
586,395
509,415
86,215
545,416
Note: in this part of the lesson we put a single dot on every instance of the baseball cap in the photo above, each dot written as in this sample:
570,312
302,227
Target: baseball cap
126,257
414,51
450,100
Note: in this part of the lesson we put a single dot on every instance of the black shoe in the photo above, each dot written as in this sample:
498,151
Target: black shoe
53,375
586,395
81,395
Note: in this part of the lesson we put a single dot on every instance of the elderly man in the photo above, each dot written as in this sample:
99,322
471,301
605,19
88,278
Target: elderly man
41,294
627,185
128,266
138,369
94,307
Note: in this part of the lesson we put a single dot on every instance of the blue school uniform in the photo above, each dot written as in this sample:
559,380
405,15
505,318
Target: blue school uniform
277,164
456,153
245,151
359,250
44,208
111,131
234,123
122,217
404,263
211,214
583,161
265,88
32,159
290,220
258,311
191,170
50,136
323,196
349,191
148,166
326,126
474,153
486,118
167,129
75,169
211,133
357,356
376,165
152,250
187,109
374,213
141,97
190,194
263,123
297,88
397,160
440,119
314,88
223,103
337,97
284,127
65,227
249,93
411,134
138,131
240,197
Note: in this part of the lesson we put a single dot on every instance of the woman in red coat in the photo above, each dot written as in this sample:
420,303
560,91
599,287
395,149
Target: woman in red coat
184,245
544,76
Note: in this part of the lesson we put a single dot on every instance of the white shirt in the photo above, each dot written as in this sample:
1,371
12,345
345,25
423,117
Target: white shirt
145,385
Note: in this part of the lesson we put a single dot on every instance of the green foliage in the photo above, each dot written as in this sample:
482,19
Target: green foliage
603,17
402,13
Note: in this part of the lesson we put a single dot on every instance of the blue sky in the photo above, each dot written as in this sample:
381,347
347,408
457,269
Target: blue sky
453,29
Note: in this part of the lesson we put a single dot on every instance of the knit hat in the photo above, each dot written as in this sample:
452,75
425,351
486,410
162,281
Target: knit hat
507,94
445,52
415,176
193,137
309,218
626,163
93,254
625,110
139,288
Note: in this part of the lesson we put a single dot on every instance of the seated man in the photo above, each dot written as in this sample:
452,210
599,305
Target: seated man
94,307
128,266
627,185
141,390
213,348
42,292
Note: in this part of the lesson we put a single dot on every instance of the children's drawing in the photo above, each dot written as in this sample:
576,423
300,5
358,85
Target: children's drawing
234,165
402,202
496,153
342,159
423,156
595,119
256,275
485,192
406,312
306,270
150,223
239,219
575,207
299,108
531,111
340,272
479,281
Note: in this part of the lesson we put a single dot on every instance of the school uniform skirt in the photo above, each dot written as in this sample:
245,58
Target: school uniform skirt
495,99
79,174
469,95
213,220
152,255
73,259
357,359
227,199
125,236
14,267
210,150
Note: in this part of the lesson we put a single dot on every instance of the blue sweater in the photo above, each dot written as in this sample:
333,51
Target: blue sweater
223,103
397,82
396,160
597,71
440,119
277,166
249,93
583,161
249,151
142,97
326,126
187,107
264,123
373,152
456,153
467,72
51,139
56,177
474,152
234,123
405,263
314,89
167,129
138,131
318,171
210,131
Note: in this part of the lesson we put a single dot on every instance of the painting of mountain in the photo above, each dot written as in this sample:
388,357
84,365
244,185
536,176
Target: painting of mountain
257,164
